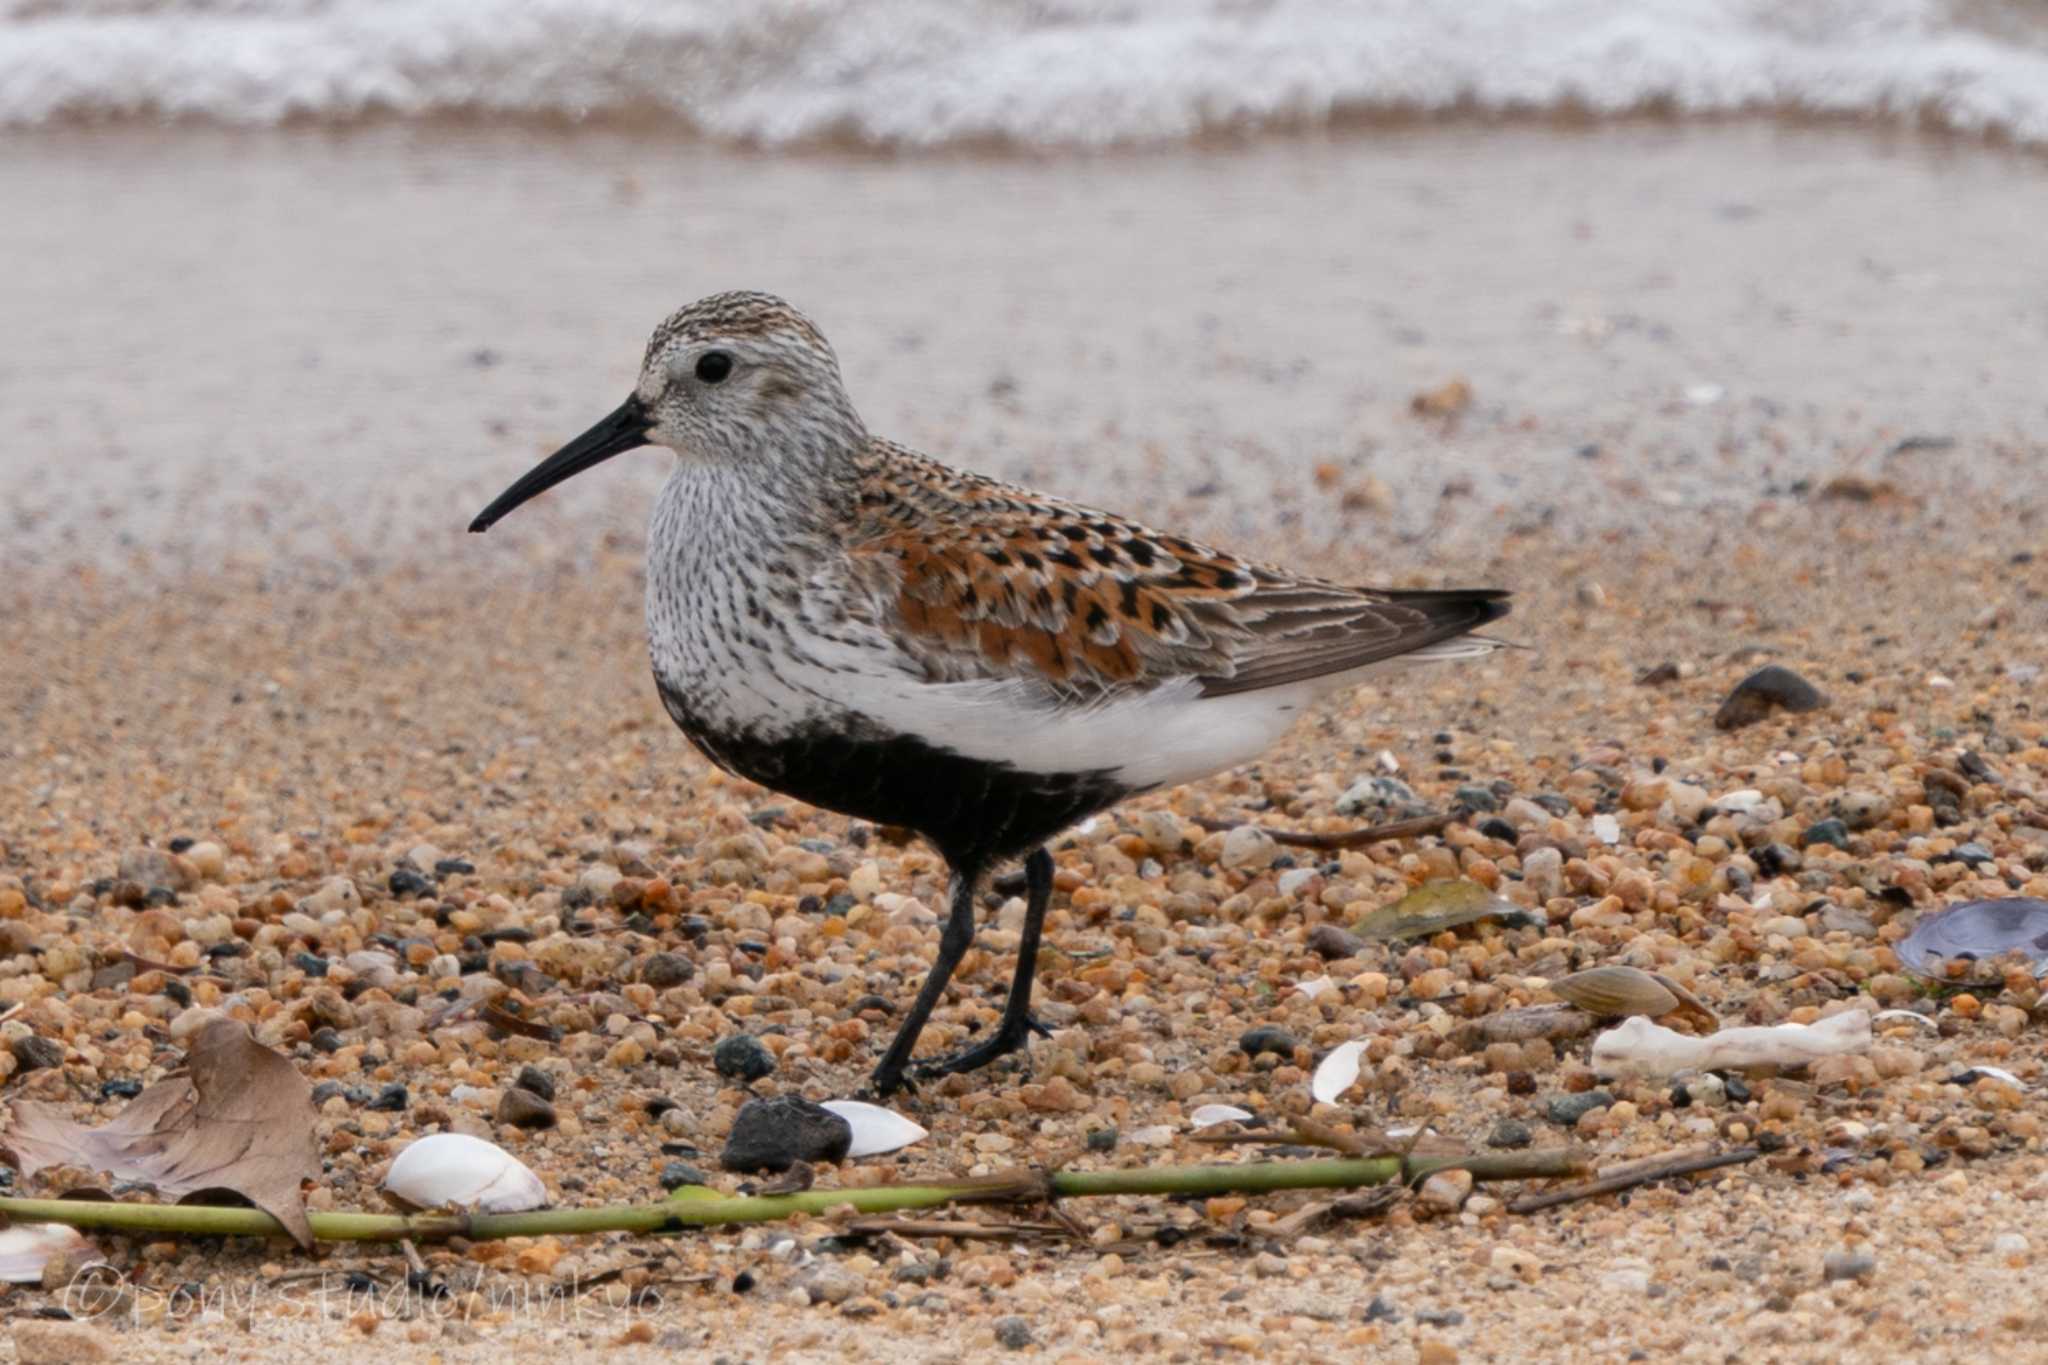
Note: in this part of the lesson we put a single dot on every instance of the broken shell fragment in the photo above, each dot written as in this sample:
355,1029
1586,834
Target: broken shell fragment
1336,1073
1435,906
1615,992
1643,1048
445,1170
27,1247
1209,1115
875,1130
1976,930
1619,992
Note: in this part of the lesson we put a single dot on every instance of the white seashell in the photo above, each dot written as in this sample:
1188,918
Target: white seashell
1337,1072
1909,1014
1642,1047
1389,762
1315,986
26,1248
1739,802
446,1170
1211,1114
875,1130
2000,1074
1607,829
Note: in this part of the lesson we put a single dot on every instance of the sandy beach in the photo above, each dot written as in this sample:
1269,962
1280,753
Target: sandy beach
1739,394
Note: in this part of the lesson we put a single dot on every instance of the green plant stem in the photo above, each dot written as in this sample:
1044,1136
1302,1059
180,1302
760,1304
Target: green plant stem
676,1214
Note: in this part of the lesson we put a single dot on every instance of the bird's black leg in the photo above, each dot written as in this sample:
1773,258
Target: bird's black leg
953,944
1017,1025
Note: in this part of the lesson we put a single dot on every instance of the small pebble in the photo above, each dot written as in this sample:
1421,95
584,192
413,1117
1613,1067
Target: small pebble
743,1058
1848,1265
1772,687
521,1108
1254,1041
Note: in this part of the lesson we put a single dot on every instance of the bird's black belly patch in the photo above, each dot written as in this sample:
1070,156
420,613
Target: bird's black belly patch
974,810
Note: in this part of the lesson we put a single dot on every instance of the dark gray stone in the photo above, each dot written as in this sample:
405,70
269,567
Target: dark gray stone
676,1174
774,1134
1828,831
1013,1332
538,1081
743,1058
1568,1109
663,970
1772,687
1510,1133
1266,1038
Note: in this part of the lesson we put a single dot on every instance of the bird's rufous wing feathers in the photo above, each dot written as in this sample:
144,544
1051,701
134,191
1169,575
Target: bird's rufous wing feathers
981,580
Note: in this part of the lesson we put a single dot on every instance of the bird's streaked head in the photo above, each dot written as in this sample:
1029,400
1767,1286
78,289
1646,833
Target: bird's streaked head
734,377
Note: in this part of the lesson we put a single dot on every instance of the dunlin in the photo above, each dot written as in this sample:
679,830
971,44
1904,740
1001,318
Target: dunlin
867,630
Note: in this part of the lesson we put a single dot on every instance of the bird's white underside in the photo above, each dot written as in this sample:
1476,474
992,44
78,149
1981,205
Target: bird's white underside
1158,738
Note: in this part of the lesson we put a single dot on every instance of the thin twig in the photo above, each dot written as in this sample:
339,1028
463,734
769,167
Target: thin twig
678,1215
413,1261
1641,1173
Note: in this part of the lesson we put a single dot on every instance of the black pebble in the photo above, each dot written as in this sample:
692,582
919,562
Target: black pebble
1510,1133
1775,860
405,882
1497,828
1013,1332
774,1134
120,1088
1829,831
454,867
391,1099
535,1081
1737,1089
325,1040
1102,1140
326,1091
677,1174
1472,796
1266,1038
743,1058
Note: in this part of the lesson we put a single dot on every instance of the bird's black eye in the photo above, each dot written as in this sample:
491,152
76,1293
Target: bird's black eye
713,366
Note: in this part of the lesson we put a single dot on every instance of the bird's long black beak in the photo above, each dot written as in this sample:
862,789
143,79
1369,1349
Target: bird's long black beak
625,429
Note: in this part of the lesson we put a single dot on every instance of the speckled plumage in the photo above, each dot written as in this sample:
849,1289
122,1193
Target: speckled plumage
857,625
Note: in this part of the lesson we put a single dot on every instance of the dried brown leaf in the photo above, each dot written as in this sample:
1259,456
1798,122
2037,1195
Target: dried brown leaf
239,1117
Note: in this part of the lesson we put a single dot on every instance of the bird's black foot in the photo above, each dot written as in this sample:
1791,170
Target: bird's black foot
886,1081
1007,1038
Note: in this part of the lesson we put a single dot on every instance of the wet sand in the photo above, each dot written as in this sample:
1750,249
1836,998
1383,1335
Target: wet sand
1741,394
321,346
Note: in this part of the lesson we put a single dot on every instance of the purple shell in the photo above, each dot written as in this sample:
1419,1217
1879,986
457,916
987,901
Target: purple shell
1979,929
